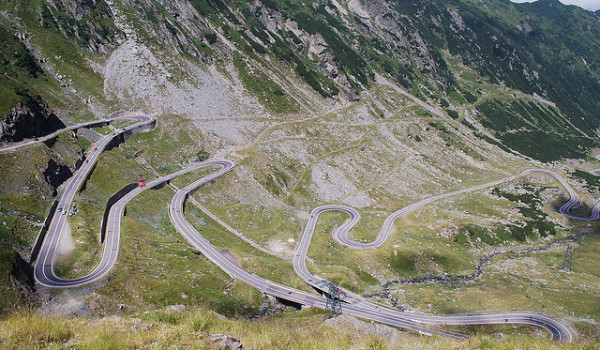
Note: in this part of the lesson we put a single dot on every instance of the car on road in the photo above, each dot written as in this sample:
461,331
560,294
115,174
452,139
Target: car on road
59,209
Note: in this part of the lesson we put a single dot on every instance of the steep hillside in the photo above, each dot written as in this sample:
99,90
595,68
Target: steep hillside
373,104
190,57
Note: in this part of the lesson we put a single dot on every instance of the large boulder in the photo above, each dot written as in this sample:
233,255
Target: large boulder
56,174
226,342
27,120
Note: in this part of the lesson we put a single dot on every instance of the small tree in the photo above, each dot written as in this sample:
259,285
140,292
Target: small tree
202,155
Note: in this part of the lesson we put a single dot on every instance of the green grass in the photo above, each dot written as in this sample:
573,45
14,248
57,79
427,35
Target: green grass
53,44
23,78
531,282
252,260
11,299
533,129
291,330
269,93
592,182
84,143
583,258
419,252
24,201
187,178
111,173
169,147
103,130
453,141
154,260
65,56
261,224
36,331
536,221
25,198
157,268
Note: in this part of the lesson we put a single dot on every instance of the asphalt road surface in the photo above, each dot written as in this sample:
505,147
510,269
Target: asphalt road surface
44,268
352,304
29,142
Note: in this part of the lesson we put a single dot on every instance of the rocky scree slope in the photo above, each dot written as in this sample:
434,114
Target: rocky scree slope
202,58
338,46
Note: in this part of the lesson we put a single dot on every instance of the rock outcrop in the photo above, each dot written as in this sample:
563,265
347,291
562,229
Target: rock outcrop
27,120
226,342
22,274
55,174
345,322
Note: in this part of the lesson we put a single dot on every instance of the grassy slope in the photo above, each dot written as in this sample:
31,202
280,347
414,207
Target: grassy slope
301,330
146,226
64,52
420,247
23,76
506,44
24,201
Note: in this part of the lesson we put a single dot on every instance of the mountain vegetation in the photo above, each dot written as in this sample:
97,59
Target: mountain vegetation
370,103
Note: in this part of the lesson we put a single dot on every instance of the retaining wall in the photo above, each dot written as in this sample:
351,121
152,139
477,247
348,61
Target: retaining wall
42,235
111,201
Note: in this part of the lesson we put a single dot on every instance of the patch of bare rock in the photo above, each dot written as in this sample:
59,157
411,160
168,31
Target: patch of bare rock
346,322
225,341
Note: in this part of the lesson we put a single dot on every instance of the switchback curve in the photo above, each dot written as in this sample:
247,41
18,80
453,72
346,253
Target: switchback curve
355,305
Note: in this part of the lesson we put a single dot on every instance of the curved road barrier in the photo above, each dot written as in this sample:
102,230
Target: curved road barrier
29,142
341,233
353,304
44,268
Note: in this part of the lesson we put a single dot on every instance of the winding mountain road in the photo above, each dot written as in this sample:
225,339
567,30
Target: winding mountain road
29,142
353,304
557,330
44,268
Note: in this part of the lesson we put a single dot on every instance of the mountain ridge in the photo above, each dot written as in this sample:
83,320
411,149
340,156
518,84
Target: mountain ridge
333,51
